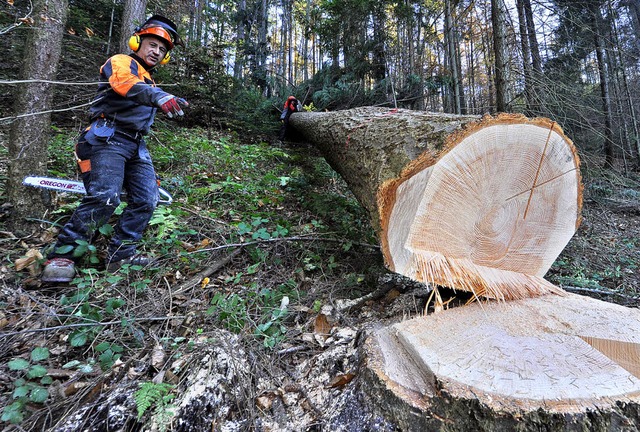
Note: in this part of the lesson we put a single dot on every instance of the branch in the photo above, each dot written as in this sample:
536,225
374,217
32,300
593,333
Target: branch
21,20
207,272
284,239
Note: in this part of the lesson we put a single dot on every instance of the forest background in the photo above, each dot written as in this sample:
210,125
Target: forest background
573,61
304,237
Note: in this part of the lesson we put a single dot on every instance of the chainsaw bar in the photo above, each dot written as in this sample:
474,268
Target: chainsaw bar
74,186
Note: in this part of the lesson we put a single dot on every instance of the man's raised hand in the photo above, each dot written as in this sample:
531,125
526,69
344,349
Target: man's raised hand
170,105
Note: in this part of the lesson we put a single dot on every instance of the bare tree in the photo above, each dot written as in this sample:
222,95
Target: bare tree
29,132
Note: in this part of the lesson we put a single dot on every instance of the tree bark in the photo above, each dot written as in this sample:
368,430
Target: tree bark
29,134
241,18
526,55
498,20
483,205
132,16
604,85
452,55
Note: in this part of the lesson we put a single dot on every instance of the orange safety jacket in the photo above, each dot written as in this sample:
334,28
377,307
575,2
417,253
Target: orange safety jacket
127,94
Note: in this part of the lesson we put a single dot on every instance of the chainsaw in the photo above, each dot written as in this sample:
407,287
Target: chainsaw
77,186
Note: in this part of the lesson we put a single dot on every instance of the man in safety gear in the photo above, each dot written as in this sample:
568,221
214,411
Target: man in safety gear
291,105
112,153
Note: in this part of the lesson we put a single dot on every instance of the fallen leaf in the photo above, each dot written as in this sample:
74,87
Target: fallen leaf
158,357
74,387
204,282
189,247
265,400
321,326
29,261
341,380
171,378
392,295
159,378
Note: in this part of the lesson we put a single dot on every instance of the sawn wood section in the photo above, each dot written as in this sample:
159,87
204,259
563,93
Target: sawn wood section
479,204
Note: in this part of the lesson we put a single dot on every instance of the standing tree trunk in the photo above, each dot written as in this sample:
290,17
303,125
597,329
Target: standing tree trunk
537,92
260,72
484,206
604,84
498,20
526,56
452,55
29,132
241,19
132,16
307,35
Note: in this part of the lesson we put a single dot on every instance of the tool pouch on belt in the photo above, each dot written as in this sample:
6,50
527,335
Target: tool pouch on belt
100,131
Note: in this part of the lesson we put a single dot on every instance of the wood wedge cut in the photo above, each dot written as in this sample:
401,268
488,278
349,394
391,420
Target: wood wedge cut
484,205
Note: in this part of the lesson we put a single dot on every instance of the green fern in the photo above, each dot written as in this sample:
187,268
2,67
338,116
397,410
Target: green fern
151,394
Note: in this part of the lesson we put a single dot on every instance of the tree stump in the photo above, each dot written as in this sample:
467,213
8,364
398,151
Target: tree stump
550,363
479,204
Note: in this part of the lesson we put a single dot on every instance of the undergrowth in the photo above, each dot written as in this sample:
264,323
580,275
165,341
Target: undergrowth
259,239
285,209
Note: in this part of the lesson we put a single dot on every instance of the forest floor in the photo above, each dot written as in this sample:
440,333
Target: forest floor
267,280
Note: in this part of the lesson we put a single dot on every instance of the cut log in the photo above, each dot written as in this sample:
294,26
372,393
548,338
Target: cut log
480,204
562,363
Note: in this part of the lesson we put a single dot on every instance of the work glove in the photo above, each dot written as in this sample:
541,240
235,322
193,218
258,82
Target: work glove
170,105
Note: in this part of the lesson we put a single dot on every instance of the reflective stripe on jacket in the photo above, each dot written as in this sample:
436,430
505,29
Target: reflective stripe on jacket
127,94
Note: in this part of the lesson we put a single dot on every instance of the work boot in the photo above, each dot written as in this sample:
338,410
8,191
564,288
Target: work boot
59,270
137,259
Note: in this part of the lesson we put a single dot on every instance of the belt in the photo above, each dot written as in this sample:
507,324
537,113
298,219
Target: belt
134,135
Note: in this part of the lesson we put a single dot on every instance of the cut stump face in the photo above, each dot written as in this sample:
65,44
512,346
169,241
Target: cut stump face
492,214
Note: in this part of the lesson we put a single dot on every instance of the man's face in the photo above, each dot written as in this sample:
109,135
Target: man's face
152,50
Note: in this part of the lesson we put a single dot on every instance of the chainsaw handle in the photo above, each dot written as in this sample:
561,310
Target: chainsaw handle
165,197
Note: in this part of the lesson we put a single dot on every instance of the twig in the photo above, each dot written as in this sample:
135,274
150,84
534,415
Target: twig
89,324
283,239
206,272
20,21
292,349
203,216
601,292
346,304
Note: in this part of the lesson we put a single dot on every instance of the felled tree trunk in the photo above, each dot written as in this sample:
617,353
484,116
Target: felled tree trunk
479,204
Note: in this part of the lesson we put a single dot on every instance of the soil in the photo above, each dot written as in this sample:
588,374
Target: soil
221,379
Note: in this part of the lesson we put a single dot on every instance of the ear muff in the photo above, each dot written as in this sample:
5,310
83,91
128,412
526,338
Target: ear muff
134,42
